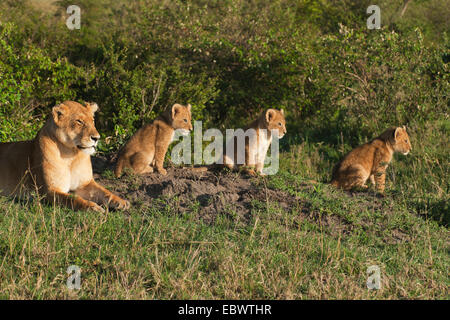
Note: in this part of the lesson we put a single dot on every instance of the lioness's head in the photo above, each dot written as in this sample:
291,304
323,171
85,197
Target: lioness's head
74,126
181,118
275,121
399,139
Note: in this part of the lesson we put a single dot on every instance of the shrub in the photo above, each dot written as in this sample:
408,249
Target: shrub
229,59
30,83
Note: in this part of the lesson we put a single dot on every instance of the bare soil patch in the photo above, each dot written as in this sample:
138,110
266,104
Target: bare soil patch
211,192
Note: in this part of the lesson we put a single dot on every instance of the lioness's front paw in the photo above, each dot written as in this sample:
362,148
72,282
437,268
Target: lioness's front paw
118,203
95,207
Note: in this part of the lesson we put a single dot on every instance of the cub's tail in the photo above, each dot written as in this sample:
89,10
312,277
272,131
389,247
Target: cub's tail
119,167
335,175
197,169
211,167
334,183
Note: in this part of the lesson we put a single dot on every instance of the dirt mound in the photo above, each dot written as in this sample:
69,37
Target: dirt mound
210,192
215,193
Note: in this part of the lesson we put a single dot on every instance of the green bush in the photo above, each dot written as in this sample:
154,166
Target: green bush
367,81
229,59
30,83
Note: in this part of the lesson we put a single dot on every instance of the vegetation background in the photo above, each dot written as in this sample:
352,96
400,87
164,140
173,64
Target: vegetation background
340,85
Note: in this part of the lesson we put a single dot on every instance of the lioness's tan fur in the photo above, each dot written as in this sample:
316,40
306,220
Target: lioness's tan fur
370,160
57,162
256,146
147,148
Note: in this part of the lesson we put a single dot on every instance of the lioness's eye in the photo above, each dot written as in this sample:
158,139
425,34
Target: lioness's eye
185,120
80,122
279,123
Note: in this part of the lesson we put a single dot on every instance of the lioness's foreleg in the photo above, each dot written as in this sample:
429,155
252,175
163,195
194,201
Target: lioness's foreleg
98,194
71,201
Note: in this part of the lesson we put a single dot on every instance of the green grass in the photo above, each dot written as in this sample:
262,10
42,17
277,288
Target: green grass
318,249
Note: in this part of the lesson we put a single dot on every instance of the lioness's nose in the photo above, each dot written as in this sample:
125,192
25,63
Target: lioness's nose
95,138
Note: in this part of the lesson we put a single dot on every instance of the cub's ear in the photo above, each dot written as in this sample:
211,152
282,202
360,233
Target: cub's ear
92,106
175,109
282,111
58,112
404,128
397,132
189,107
270,114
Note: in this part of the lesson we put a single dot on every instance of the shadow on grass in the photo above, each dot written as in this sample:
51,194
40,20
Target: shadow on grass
437,210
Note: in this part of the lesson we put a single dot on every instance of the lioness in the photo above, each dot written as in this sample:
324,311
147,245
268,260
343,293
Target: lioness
58,161
147,148
370,160
257,143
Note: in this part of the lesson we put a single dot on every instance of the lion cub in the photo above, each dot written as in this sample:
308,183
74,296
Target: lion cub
257,142
370,160
147,148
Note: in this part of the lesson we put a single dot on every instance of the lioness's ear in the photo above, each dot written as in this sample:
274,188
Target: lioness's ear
58,112
270,114
189,107
175,109
404,128
282,112
93,106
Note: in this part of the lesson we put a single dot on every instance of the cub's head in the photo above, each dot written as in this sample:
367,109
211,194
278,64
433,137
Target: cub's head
274,120
399,139
74,126
181,118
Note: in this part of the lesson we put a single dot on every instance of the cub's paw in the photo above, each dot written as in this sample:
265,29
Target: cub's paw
148,169
162,171
380,194
248,171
